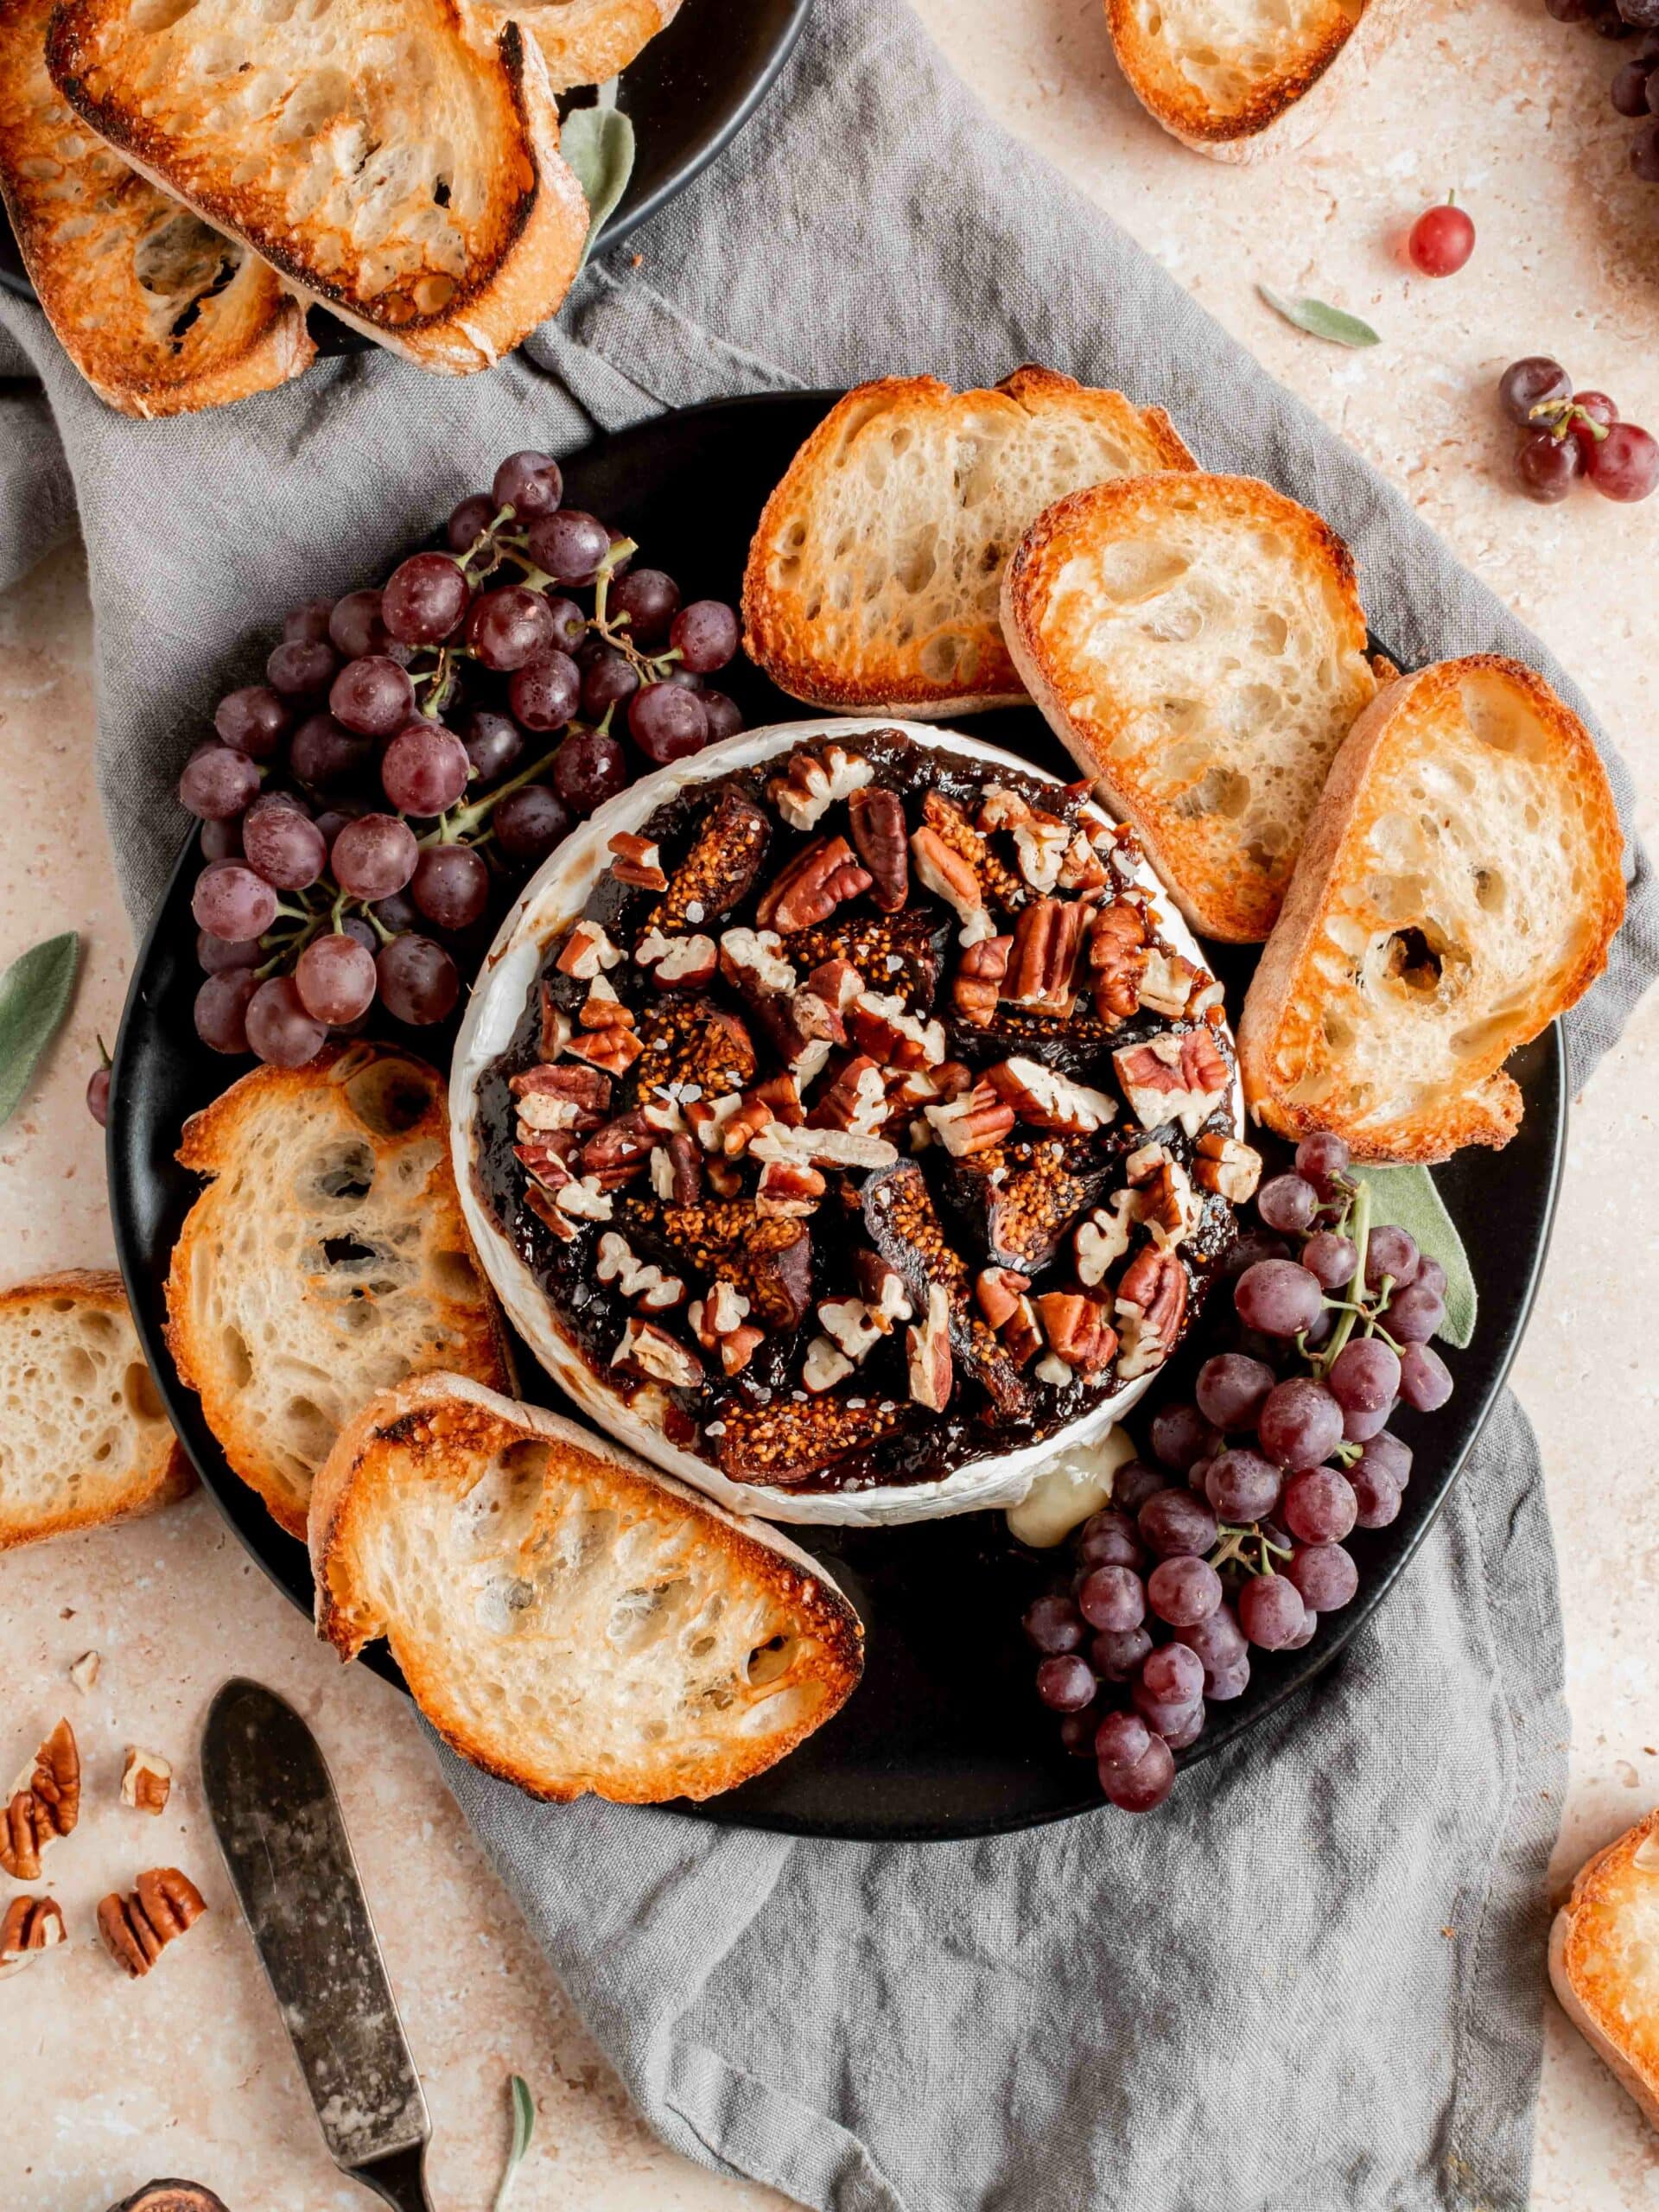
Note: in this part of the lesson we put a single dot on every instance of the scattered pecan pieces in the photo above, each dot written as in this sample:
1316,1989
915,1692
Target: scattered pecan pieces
1045,1100
1178,1076
146,1781
877,819
679,1178
616,1262
137,1929
1223,1165
27,1926
1173,987
857,1099
587,951
613,1050
1078,1330
812,783
1041,840
720,868
811,887
974,1121
688,962
927,1353
620,1151
651,1352
602,1009
1101,1241
953,879
638,861
45,1804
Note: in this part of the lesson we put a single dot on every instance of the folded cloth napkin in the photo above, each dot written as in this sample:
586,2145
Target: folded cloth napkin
1314,1978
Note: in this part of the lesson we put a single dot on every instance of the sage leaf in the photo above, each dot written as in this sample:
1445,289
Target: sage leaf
35,995
1406,1197
1335,325
523,2119
597,144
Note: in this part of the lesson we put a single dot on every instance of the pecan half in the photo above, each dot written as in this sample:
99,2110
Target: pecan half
146,1781
1078,1330
614,1049
562,1097
951,879
877,820
1045,1100
541,1204
45,1804
1223,1165
927,1353
742,1128
620,1151
720,868
688,962
1152,1306
812,783
1180,1077
680,1178
1101,1241
1045,954
27,1926
881,1026
979,978
616,1262
137,1929
1170,984
651,1351
1169,1205
857,1099
788,1189
1117,958
978,1121
637,860
824,1366
811,887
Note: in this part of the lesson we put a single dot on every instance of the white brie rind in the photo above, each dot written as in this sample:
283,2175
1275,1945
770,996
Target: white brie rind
550,903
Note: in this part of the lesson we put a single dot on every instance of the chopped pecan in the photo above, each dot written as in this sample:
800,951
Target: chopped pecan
693,1048
137,1929
887,1297
1180,1077
27,1926
783,1095
1045,954
1101,1241
614,1049
616,1262
584,1197
789,1189
146,1781
724,1177
826,1148
927,1353
541,1204
877,818
720,868
637,860
618,1153
857,1099
952,880
1041,840
770,1260
995,881
1116,956
1170,984
45,1804
1046,1100
651,1351
997,1292
556,1026
679,1180
1021,1334
881,1026
784,1442
724,1310
562,1097
1151,1305
602,1009
811,785
587,951
752,962
825,1365
811,887
739,1347
706,1118
853,1327
679,963
742,1128
975,1122
979,979
1229,1168
1078,1330
1169,1205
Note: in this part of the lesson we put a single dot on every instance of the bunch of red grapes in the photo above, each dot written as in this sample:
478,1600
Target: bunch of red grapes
415,750
1231,1538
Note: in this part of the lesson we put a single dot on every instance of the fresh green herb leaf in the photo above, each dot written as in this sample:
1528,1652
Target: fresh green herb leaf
597,144
1336,325
1407,1198
523,2119
35,995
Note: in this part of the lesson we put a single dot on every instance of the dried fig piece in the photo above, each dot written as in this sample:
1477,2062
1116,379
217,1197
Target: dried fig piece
768,1258
1025,1195
907,1233
692,1044
719,869
784,1442
899,954
998,882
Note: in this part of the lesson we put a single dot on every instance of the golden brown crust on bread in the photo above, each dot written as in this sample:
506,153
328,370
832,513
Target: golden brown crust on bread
161,315
1248,96
585,42
338,177
416,1459
282,1251
78,1490
937,648
1410,915
1601,1948
1116,598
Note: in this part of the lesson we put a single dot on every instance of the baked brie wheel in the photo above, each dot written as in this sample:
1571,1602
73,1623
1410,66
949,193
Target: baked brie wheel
848,1121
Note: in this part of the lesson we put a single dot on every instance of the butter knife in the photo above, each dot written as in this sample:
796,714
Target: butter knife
290,1859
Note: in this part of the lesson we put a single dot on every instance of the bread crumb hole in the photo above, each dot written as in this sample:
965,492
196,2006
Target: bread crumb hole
233,1349
770,1660
139,1390
1491,891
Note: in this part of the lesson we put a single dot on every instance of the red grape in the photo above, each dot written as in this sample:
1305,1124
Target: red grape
606,681
296,669
530,483
374,856
217,782
1053,1625
1317,1506
1134,1484
1112,1597
1242,1486
279,1029
588,768
230,901
569,545
1442,238
650,599
468,522
97,1094
424,600
1288,1202
546,692
1270,1612
336,978
1323,1159
1391,1252
1548,466
1217,1639
308,624
1415,1313
356,630
419,983
216,953
221,1009
1376,1496
1142,1787
1330,1259
507,628
372,696
425,769
705,635
1116,1653
1122,1739
323,752
1625,465
724,716
1107,1539
1364,1377
1325,1575
1424,1379
285,847
1181,1436
667,723
1165,1716
494,743
1301,1423
1232,1389
1066,1683
1277,1298
451,886
1173,1674
253,720
1172,1522
1184,1591
528,822
1536,382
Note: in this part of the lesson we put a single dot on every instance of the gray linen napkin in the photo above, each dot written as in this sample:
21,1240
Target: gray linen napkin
1313,1979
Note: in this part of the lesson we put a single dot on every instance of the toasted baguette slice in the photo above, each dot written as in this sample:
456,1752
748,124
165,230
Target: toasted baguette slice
326,1260
584,41
389,158
566,1617
872,580
161,314
1459,888
1197,642
1604,1959
1239,79
83,1438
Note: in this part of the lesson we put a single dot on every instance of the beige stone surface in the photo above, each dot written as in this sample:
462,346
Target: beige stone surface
105,2083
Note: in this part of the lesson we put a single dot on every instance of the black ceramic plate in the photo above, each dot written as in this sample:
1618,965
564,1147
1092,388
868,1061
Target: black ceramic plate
688,95
944,1737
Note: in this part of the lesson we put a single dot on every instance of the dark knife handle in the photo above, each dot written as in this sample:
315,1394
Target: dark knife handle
400,2179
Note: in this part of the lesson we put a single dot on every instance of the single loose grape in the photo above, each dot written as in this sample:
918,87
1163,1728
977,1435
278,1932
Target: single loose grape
1442,238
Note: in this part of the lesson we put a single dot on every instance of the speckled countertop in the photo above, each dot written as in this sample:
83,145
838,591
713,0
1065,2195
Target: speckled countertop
105,2082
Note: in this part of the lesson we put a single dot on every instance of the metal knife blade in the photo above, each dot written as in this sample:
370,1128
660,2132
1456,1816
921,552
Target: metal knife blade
284,1841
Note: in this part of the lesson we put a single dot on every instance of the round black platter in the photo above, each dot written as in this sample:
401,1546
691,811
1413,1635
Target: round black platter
943,1738
688,95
